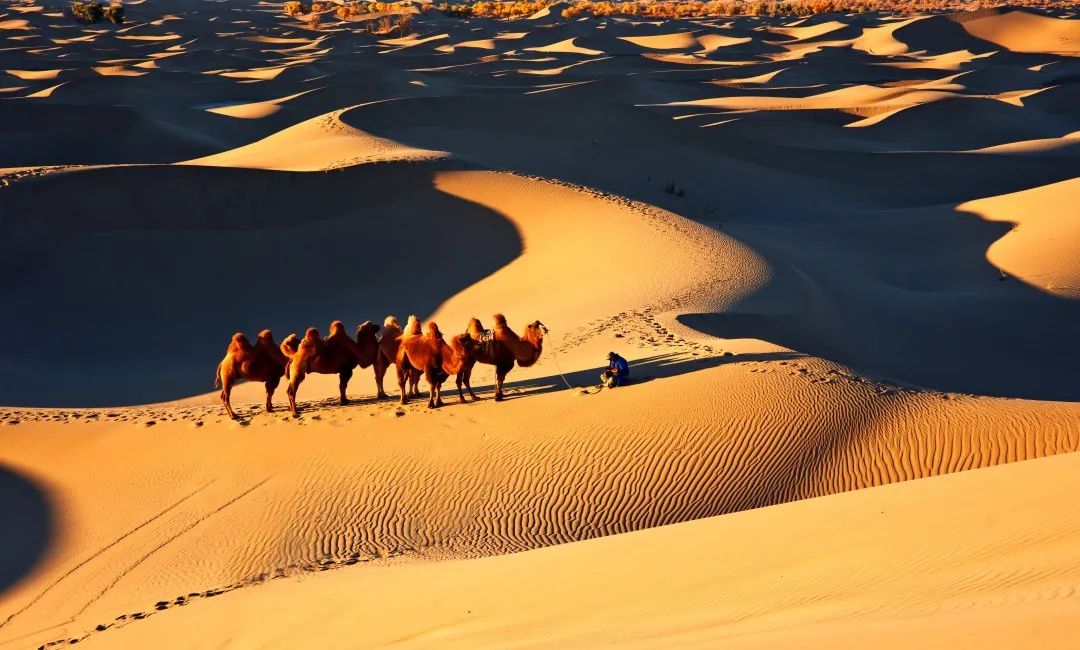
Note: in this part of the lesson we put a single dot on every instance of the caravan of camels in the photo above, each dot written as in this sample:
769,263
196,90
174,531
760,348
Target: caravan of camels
415,351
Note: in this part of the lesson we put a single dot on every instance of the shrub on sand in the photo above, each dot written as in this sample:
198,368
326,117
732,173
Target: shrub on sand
90,11
296,8
665,9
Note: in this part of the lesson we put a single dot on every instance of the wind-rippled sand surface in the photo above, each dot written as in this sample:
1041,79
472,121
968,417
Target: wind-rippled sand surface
840,252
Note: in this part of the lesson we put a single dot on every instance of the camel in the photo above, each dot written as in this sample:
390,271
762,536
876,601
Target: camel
260,362
436,358
336,354
387,355
502,350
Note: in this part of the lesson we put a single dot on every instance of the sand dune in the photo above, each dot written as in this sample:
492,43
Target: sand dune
960,561
840,252
1041,247
1023,32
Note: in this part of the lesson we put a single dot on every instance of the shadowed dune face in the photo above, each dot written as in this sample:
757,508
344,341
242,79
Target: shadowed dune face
28,527
775,130
198,252
896,194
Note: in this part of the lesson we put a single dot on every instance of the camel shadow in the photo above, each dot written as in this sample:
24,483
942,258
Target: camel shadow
28,526
644,370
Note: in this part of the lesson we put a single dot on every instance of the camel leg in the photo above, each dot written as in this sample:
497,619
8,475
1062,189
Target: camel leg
500,376
414,383
459,380
226,394
468,380
294,382
380,374
271,387
343,382
402,375
429,374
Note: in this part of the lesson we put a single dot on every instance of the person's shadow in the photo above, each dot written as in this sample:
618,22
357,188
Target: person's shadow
643,370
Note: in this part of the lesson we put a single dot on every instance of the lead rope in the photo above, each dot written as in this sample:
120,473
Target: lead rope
555,358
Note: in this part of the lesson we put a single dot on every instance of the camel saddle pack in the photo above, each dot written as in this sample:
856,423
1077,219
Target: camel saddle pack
487,342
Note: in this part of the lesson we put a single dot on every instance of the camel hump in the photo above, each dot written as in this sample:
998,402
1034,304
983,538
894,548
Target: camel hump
433,330
311,333
475,327
266,335
240,339
412,327
289,345
500,320
337,328
367,327
391,321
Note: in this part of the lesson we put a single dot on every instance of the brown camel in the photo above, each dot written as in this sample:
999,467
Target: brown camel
336,354
502,350
387,355
436,358
260,362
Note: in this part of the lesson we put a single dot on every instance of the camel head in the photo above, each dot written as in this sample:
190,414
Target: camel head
366,330
535,331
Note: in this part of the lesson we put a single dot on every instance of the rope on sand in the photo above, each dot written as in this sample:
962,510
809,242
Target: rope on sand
555,358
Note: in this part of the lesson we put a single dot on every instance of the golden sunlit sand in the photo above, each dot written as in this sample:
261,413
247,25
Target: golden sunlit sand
841,253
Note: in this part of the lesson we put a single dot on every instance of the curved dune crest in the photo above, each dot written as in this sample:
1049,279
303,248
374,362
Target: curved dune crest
32,75
1021,31
1043,248
504,481
256,110
675,41
320,143
930,556
565,47
808,310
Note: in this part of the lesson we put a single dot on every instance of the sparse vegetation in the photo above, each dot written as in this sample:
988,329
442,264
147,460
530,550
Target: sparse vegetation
661,9
399,23
361,7
296,8
96,12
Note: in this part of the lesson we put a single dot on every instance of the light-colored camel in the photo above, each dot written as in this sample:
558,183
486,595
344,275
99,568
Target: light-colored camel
336,354
260,362
392,336
436,358
501,350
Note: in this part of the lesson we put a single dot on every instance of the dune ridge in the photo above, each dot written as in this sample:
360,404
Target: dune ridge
838,251
964,576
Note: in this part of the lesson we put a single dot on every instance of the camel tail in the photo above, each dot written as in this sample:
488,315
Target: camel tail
217,376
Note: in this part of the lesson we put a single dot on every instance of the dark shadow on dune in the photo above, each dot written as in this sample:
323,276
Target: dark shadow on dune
933,313
642,371
125,285
27,528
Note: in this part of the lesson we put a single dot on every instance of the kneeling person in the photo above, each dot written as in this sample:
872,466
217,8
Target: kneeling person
617,373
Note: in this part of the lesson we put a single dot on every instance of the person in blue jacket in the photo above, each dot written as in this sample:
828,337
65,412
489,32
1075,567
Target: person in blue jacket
617,373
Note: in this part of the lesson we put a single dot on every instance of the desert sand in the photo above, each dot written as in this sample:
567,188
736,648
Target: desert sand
842,254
